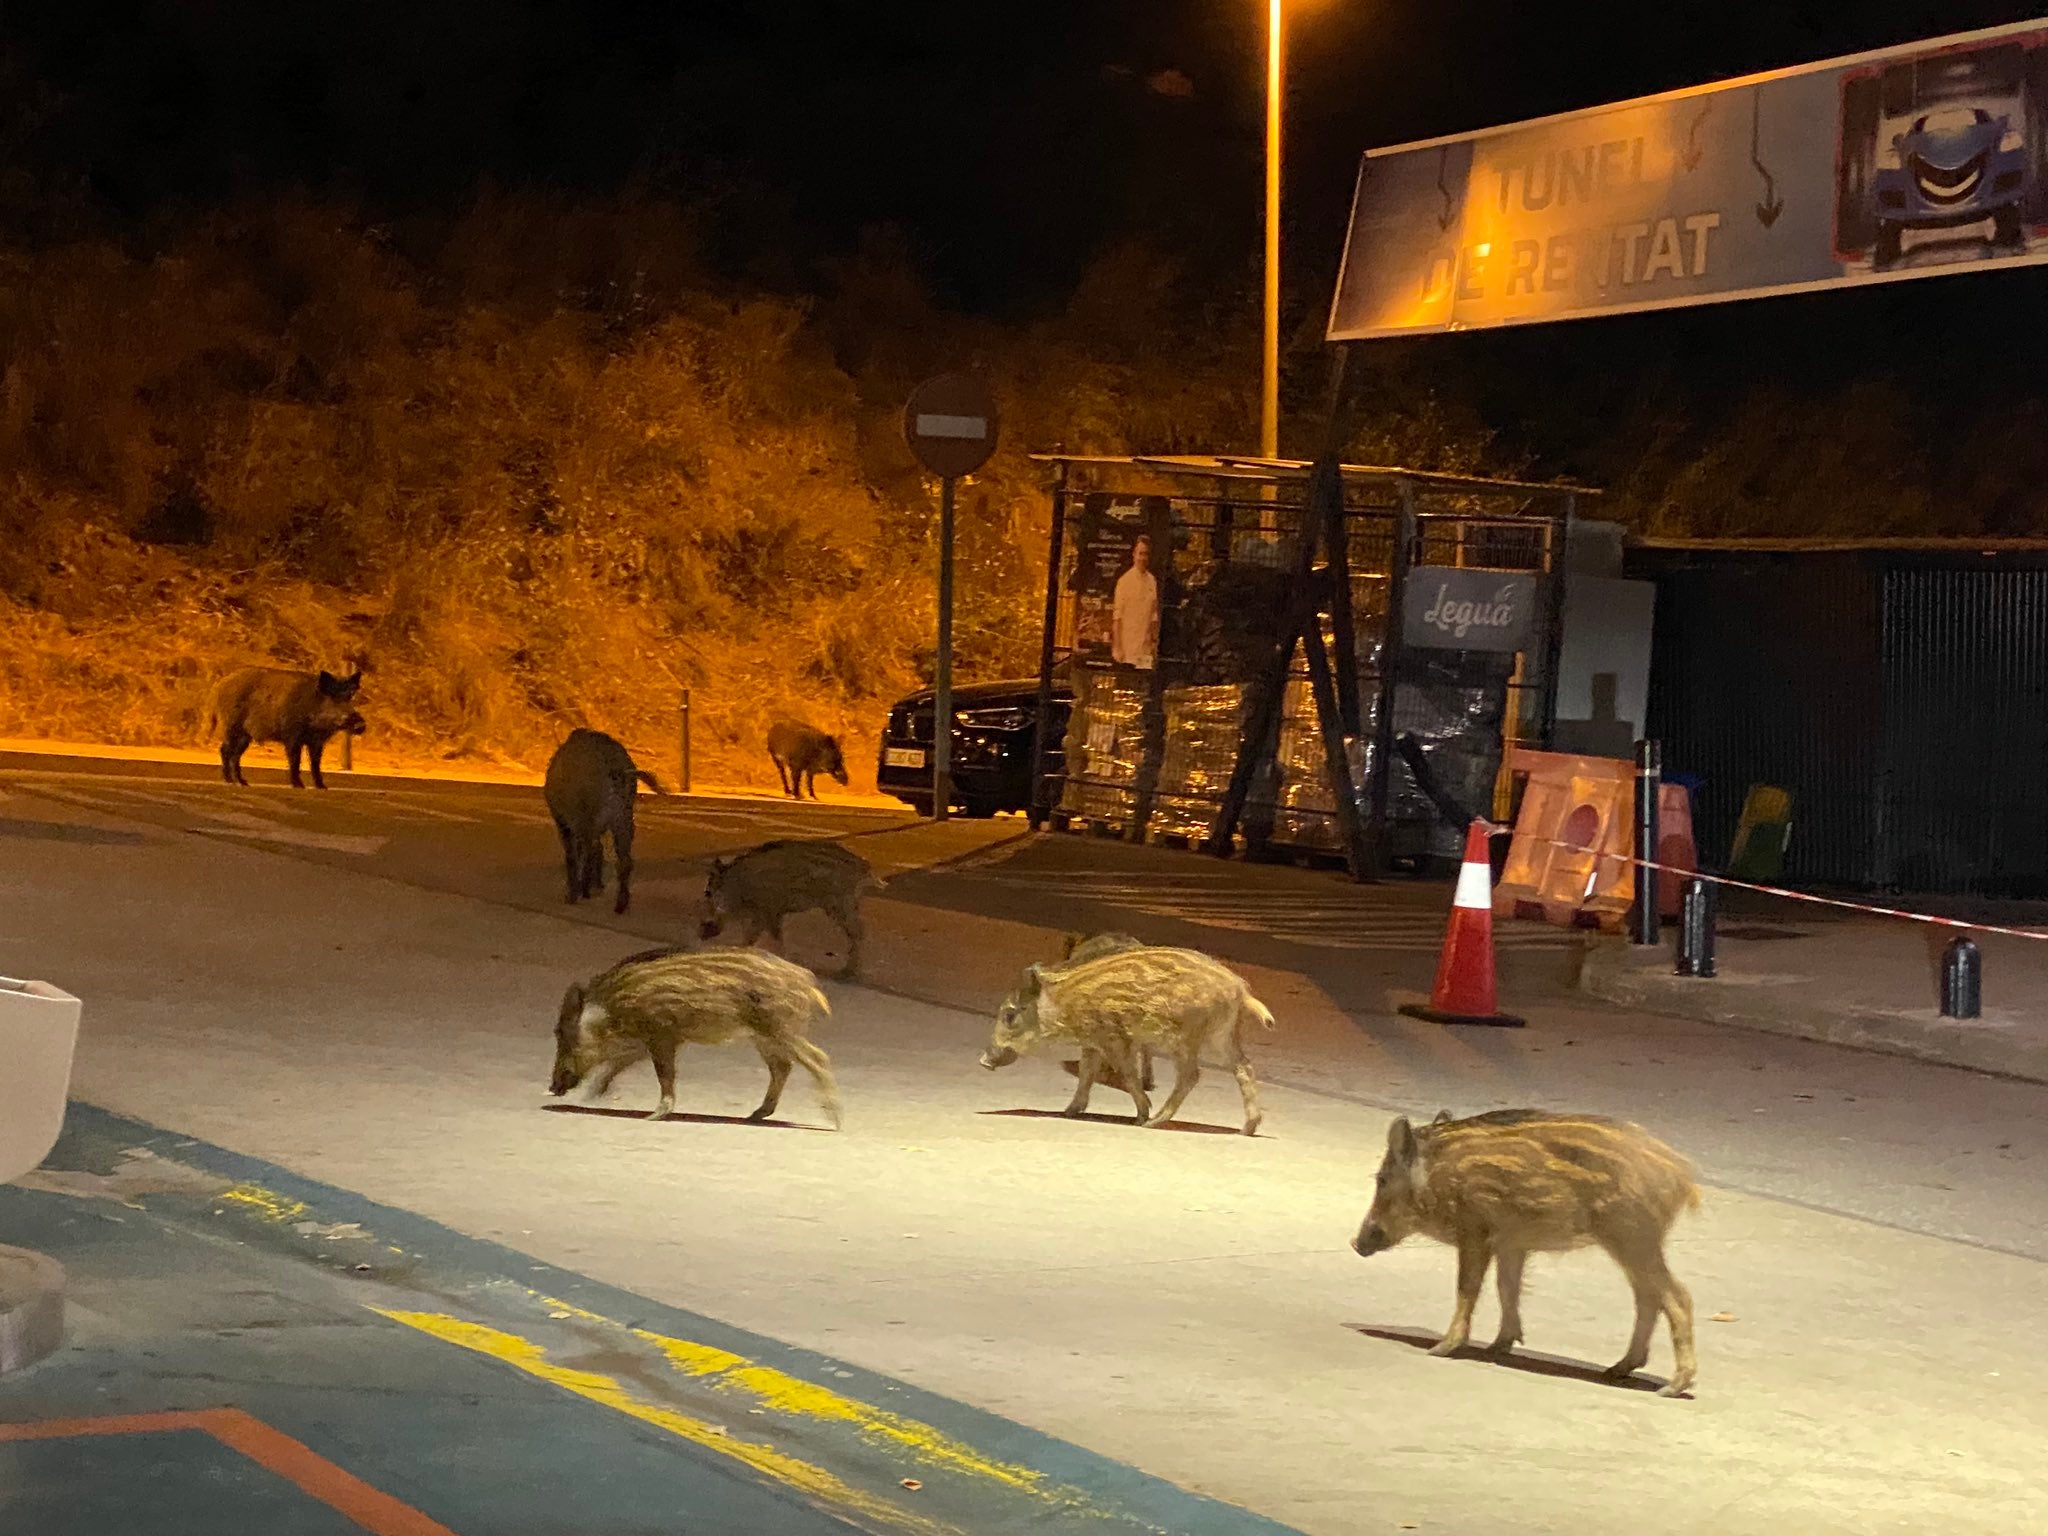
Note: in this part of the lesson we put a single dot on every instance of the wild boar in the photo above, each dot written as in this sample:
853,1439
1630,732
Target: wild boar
1079,949
777,880
802,752
652,1004
590,787
298,710
1170,1000
1513,1182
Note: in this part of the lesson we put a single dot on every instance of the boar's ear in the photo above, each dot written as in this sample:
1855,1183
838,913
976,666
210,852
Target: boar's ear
1068,945
1441,1116
329,683
572,1003
1034,980
1401,1140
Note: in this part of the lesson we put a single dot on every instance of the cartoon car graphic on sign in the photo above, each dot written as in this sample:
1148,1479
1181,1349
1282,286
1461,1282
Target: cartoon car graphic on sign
1952,167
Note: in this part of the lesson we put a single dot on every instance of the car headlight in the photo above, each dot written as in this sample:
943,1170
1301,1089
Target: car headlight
1009,718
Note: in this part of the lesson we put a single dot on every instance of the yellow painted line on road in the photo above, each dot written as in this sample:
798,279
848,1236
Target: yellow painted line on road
265,1202
780,1392
801,1476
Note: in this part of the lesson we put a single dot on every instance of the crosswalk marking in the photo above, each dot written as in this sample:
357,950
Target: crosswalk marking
1384,921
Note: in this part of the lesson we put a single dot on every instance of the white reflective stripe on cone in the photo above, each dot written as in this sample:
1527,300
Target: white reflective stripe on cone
1475,886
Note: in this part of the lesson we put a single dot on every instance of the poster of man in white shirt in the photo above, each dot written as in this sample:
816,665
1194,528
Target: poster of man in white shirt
1134,610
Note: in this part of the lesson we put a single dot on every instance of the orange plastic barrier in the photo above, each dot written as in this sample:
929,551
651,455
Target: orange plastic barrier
1570,860
1562,865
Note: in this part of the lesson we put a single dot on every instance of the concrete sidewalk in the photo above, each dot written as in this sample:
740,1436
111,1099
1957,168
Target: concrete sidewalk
1870,983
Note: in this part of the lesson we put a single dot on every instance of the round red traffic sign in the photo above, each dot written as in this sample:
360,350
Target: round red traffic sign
950,424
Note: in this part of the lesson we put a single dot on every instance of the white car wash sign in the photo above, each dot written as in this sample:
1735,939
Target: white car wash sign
1909,162
1451,609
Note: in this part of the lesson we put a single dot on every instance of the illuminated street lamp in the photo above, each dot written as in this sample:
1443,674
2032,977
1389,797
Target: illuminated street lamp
1269,383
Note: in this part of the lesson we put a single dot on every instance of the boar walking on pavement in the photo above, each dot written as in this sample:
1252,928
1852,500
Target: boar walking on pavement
1504,1185
760,888
1079,949
298,710
802,752
652,1004
1173,1001
590,787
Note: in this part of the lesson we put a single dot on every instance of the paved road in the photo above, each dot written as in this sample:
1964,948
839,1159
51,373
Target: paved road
251,1351
376,1018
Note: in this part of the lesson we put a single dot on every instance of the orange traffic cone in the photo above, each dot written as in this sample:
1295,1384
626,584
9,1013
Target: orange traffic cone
1464,974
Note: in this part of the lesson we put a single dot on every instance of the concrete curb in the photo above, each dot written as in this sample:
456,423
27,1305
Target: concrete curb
31,1308
2002,1042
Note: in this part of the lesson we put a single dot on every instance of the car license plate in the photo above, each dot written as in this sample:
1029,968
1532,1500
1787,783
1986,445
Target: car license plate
904,757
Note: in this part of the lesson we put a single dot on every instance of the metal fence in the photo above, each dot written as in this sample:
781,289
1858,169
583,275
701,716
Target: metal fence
1152,740
1900,694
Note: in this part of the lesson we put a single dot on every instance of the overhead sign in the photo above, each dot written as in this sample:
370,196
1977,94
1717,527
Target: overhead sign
950,424
1907,162
1450,608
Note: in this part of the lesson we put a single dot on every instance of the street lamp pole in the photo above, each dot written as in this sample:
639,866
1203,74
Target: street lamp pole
1269,383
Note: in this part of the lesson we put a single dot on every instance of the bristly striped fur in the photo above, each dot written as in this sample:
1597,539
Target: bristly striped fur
653,1003
1503,1185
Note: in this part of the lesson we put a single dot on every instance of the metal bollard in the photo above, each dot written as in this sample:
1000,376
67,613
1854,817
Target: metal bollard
1649,777
1962,980
1696,929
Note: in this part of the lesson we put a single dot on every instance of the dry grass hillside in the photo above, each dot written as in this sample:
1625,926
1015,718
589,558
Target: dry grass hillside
536,465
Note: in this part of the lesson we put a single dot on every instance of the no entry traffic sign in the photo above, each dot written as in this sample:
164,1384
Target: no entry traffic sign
950,424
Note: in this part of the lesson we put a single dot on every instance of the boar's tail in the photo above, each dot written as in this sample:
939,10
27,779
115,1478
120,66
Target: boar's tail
873,882
649,780
1257,1011
819,998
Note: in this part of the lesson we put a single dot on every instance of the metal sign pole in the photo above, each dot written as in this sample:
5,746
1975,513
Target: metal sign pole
942,685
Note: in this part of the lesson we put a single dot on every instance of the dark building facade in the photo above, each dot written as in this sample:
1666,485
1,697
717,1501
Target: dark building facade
1899,691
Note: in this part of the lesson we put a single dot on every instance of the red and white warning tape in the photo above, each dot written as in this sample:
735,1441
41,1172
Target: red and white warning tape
1497,830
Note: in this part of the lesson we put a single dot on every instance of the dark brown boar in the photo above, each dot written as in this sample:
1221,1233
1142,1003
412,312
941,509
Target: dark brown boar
777,880
298,710
590,787
801,752
1519,1181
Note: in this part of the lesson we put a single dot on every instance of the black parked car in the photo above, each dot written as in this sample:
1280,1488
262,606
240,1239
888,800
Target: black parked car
994,728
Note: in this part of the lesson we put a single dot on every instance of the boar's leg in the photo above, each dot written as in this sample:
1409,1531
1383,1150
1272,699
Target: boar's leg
601,1084
1187,1071
849,919
1086,1070
292,749
232,746
819,1065
664,1054
1475,1254
781,772
1678,1313
622,854
1124,1058
1510,1282
778,1060
593,862
571,863
316,745
1656,1292
1247,1084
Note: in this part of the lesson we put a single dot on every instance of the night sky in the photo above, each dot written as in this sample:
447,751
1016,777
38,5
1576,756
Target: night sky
1011,142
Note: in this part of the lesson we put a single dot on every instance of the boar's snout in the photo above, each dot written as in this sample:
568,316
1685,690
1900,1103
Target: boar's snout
1372,1238
565,1078
997,1056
